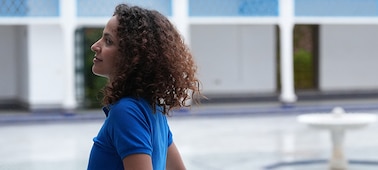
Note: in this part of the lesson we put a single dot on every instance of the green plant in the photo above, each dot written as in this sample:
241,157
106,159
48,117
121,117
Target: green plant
303,69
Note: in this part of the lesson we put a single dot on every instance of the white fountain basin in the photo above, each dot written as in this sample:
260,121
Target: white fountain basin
337,122
347,121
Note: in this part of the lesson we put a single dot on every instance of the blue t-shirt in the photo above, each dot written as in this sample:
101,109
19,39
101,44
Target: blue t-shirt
130,127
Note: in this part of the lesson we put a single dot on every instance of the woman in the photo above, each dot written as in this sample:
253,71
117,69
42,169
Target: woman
150,71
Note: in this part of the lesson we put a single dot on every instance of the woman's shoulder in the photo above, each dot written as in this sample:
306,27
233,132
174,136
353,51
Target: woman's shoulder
129,104
128,112
127,101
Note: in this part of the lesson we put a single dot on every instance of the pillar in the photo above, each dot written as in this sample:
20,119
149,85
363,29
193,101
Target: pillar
180,17
286,25
68,24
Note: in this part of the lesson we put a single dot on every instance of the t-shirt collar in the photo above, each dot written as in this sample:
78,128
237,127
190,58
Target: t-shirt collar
106,110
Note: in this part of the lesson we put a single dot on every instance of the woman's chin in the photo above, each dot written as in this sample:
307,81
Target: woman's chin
96,71
99,73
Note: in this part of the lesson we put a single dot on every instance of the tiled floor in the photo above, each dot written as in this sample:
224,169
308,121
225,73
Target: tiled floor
209,138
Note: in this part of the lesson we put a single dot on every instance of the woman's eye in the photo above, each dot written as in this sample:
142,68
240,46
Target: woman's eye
108,41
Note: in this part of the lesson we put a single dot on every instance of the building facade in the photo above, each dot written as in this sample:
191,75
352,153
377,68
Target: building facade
235,43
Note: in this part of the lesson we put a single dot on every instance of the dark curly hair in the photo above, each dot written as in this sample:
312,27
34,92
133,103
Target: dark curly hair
155,64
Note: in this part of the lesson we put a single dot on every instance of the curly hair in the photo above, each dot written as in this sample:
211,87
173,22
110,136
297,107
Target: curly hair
154,63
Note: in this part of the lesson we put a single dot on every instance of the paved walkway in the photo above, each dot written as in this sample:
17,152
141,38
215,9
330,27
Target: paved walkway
245,136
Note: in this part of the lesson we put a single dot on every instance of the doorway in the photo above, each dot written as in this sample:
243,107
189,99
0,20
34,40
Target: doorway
306,57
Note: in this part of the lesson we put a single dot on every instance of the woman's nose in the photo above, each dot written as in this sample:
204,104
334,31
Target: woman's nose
95,47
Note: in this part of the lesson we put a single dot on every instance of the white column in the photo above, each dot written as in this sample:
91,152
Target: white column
180,17
286,25
68,24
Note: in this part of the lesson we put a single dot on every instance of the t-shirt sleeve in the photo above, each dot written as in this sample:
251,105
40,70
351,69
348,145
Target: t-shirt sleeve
170,138
129,130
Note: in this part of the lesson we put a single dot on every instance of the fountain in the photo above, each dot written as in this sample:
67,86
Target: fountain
337,123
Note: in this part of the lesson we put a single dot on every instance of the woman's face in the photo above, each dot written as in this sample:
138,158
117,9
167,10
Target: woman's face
106,50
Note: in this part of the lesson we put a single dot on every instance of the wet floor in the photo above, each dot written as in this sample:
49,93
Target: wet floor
209,141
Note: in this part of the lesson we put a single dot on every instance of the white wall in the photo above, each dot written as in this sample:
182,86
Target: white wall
8,58
348,57
46,66
235,58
